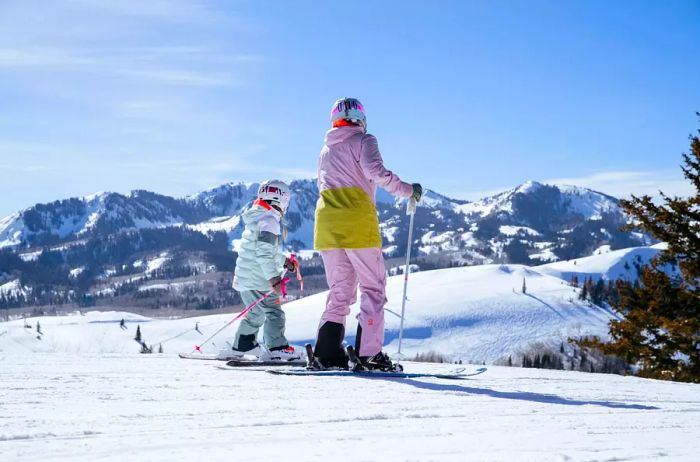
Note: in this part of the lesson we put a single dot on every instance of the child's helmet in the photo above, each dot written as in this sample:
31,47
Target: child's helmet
348,109
276,192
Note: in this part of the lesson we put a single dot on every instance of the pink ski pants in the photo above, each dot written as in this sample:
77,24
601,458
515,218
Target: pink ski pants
345,268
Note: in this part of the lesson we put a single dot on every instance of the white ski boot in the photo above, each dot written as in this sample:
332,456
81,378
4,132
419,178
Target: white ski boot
282,354
228,353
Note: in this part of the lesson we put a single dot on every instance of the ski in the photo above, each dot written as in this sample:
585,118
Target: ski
243,363
451,375
203,357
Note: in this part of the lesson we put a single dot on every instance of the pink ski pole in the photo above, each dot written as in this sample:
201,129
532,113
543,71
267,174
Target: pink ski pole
240,315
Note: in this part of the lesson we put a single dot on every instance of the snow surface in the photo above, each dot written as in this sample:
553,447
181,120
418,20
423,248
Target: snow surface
168,286
510,230
160,408
12,288
11,229
80,391
75,272
157,263
609,266
226,224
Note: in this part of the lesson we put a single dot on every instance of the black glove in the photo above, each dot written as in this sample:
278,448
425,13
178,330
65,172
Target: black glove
276,283
289,265
417,192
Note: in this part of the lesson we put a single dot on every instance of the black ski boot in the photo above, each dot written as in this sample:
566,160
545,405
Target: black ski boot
312,363
329,352
378,362
247,345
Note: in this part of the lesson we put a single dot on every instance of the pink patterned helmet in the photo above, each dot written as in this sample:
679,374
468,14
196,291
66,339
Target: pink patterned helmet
348,109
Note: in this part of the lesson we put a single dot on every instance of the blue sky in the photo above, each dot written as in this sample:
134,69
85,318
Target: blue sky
466,97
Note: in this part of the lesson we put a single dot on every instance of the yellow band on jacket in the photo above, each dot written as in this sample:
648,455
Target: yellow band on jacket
346,218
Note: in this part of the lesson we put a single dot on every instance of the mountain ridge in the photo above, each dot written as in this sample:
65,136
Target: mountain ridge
98,246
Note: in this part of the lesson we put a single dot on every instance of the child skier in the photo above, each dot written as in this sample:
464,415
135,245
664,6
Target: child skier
346,232
259,269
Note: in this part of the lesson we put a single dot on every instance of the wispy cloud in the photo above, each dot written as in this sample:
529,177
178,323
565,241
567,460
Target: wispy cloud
616,183
170,10
624,183
186,67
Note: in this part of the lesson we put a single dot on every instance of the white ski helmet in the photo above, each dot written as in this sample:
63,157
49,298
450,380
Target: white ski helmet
276,192
348,109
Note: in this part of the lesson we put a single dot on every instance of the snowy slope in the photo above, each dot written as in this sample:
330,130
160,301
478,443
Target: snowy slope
609,266
82,392
471,313
157,408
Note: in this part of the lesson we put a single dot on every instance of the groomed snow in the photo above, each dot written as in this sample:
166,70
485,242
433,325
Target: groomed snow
160,408
80,391
609,266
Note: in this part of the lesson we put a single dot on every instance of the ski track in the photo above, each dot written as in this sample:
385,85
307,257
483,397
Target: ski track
161,408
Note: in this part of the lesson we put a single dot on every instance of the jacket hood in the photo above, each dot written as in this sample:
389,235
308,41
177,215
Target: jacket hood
255,212
341,134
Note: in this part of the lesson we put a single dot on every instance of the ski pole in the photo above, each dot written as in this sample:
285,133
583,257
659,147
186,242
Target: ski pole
240,315
410,210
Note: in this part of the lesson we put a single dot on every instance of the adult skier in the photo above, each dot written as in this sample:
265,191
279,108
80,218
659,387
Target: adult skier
346,231
259,269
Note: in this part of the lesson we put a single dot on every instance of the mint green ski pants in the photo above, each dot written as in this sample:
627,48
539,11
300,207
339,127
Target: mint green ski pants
267,313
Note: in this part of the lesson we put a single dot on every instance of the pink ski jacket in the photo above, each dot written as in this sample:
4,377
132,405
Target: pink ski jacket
349,170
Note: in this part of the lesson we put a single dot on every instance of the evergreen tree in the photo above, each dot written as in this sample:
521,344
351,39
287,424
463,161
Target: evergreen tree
660,331
583,295
160,348
138,334
598,292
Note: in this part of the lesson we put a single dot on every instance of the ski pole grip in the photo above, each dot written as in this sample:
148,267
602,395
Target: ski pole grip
411,206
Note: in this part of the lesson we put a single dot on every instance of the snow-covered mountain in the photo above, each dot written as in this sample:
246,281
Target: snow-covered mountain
529,210
92,240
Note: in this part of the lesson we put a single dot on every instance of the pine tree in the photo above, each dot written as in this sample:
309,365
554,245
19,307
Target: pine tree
138,334
160,348
583,295
660,331
598,292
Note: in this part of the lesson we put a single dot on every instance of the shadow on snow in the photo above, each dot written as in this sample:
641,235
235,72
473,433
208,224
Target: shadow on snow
521,396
